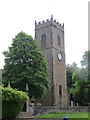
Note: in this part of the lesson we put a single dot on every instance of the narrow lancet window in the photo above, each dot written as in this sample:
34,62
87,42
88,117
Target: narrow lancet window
60,90
58,40
43,38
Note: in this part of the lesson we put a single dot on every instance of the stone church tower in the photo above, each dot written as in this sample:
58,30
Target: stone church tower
50,37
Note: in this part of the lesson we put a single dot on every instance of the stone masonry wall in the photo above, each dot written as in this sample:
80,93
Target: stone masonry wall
56,68
45,110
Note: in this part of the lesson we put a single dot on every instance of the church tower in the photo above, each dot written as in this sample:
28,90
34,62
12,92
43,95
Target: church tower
50,37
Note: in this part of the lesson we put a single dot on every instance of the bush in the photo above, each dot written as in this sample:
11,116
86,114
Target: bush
12,102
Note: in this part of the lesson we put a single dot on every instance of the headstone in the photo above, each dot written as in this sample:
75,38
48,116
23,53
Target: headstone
71,103
77,104
31,108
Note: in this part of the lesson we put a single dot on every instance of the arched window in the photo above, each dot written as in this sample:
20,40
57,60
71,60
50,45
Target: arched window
58,40
60,90
43,38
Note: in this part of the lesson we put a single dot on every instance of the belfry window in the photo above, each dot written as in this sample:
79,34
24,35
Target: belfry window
43,38
58,40
60,90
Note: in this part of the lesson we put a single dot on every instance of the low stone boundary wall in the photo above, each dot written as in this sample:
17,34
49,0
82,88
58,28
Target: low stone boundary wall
38,119
47,109
39,110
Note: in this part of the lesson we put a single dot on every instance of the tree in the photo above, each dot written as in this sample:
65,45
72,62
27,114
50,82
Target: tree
85,60
81,87
25,64
70,69
79,90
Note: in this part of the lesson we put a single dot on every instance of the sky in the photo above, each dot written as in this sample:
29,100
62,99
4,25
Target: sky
20,15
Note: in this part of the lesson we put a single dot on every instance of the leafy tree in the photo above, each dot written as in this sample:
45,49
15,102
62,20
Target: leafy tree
85,61
79,91
25,64
70,69
81,87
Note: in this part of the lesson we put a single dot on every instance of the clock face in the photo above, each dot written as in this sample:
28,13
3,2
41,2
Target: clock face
59,56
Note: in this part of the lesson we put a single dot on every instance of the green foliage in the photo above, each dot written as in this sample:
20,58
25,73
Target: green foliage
12,102
86,59
70,69
25,63
80,87
80,92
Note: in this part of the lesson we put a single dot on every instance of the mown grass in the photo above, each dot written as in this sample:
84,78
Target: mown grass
70,115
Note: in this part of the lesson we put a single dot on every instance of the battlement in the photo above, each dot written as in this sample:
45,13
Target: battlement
49,22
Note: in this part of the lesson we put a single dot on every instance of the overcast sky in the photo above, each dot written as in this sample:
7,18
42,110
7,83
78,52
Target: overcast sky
20,15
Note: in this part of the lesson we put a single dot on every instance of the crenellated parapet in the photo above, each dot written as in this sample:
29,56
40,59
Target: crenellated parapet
49,22
50,37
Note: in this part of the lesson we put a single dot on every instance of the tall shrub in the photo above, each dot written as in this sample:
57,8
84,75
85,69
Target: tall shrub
12,102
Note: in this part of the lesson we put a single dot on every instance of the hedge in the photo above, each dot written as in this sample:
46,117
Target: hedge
12,102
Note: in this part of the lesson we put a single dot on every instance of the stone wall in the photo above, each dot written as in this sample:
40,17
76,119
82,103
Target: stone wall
49,119
45,110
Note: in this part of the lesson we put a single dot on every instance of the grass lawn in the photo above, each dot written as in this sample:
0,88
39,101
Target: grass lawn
70,115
